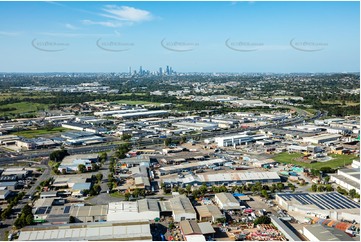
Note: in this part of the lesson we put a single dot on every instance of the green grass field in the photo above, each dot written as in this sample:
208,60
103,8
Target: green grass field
337,161
39,132
23,107
117,195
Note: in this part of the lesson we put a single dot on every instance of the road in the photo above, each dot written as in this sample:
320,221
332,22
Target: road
7,224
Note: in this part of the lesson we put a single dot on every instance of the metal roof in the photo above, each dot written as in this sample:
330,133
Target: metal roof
145,205
290,235
190,227
88,231
206,228
209,211
238,176
181,204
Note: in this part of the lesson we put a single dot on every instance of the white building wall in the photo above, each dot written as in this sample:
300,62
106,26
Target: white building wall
184,216
309,235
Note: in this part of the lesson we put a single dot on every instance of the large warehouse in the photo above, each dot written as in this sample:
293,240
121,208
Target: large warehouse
181,208
323,138
226,201
347,178
332,205
202,126
236,178
145,209
190,166
240,139
154,113
139,231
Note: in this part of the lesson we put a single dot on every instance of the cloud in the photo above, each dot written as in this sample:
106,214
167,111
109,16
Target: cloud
70,26
73,35
118,16
9,34
125,13
112,24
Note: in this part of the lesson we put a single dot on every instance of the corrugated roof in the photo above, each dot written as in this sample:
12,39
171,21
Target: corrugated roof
190,227
206,228
181,204
88,231
145,205
209,211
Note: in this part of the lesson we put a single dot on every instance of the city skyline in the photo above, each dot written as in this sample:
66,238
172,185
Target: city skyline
241,37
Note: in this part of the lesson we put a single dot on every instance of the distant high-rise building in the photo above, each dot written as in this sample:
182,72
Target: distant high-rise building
168,70
130,70
160,71
140,70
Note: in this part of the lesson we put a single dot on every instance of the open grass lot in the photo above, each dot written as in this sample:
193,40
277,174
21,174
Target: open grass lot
337,161
22,95
22,107
39,132
340,102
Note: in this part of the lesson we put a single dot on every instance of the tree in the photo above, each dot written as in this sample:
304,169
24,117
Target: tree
264,194
314,188
167,141
329,188
103,157
188,188
280,186
81,168
203,189
262,220
181,190
95,167
215,189
126,137
352,193
99,177
58,155
327,179
29,219
321,188
171,226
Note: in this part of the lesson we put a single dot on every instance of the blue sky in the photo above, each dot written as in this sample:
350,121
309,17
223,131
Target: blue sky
189,36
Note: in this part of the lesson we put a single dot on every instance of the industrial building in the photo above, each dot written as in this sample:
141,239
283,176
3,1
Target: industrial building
190,166
234,178
144,209
321,139
209,213
241,139
155,113
317,232
331,205
113,112
139,231
226,201
286,231
181,208
87,214
191,227
347,178
198,126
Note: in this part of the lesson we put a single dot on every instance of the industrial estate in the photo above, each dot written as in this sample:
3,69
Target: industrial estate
133,162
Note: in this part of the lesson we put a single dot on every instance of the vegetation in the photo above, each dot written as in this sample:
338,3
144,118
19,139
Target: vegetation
262,220
336,162
26,217
39,132
58,155
122,150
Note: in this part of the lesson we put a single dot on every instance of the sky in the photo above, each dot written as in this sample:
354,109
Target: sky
279,37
